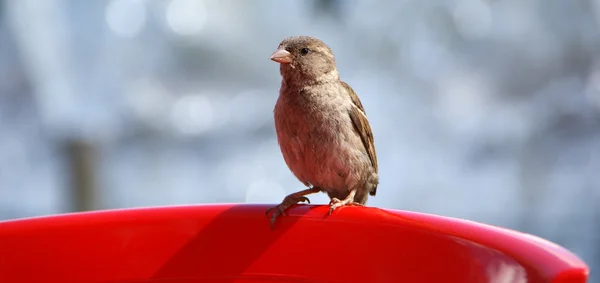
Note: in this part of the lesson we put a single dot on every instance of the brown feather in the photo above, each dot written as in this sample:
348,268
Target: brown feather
362,127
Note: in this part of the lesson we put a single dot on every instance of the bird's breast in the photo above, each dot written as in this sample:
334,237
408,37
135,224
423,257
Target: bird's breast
318,113
317,138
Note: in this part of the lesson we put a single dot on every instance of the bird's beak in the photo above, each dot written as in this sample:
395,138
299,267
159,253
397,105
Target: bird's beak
281,56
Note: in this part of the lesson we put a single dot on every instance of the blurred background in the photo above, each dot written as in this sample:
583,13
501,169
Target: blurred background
481,109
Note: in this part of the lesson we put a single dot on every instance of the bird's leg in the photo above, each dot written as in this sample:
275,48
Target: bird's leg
289,200
349,200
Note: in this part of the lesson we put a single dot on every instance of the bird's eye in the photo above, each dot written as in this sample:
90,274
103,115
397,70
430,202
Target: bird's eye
304,51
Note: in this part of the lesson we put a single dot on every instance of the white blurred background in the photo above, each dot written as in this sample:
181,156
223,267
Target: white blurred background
481,109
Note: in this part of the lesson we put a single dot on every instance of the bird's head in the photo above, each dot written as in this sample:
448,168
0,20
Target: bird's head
305,59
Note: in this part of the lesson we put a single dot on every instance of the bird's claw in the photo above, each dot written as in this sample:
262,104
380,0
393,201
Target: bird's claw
274,207
283,206
336,203
278,210
302,199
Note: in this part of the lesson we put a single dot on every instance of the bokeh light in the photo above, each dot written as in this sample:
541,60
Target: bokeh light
186,17
192,114
126,18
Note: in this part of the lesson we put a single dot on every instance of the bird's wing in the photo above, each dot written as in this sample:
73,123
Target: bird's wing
361,125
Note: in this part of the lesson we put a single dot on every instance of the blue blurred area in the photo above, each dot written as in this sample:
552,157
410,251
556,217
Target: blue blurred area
481,109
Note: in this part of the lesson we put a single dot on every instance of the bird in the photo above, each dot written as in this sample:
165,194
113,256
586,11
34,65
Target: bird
322,128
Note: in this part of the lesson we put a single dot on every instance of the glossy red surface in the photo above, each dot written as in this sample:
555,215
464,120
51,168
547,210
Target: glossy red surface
233,243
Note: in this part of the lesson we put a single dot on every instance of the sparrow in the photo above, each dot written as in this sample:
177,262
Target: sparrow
322,128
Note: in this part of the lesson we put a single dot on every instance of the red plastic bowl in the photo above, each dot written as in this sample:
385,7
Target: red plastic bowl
234,243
